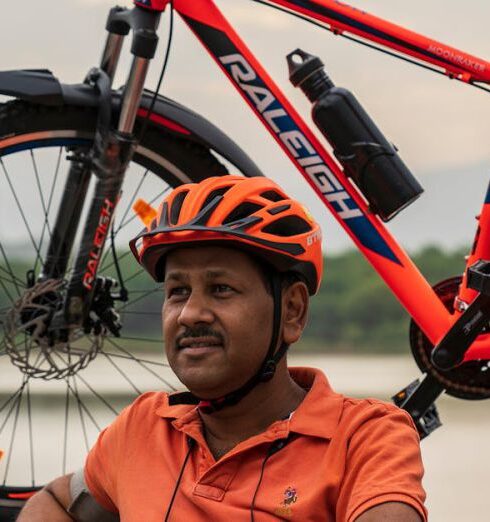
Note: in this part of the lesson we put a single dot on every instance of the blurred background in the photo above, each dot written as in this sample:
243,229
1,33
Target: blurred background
358,333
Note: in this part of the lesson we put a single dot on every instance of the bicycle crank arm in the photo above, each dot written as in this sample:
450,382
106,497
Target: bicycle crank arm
450,352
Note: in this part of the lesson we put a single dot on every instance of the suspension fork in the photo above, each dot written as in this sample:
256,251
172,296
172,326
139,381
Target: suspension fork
112,151
79,174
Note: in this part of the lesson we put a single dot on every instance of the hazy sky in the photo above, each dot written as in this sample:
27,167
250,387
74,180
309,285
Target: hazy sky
441,127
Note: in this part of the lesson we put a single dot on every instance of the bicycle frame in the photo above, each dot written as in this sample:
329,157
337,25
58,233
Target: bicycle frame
313,161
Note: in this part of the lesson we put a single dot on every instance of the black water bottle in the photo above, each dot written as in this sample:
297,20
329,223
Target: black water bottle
365,154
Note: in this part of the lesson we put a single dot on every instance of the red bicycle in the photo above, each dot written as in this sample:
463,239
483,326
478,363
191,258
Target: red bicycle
73,304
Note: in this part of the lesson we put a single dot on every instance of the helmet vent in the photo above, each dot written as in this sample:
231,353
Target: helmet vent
241,211
287,226
176,206
277,210
212,195
272,195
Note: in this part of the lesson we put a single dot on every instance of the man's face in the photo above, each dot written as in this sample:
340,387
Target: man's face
217,318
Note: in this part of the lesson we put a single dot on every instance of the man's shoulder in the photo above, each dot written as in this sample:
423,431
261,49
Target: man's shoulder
151,399
146,404
367,411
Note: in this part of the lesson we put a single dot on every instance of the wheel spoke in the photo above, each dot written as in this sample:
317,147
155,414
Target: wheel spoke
7,293
98,395
133,217
18,402
6,403
21,211
147,361
125,377
50,200
82,405
38,182
136,274
8,280
126,211
65,433
131,201
137,361
145,339
31,440
128,312
103,266
94,392
9,270
13,278
80,413
133,301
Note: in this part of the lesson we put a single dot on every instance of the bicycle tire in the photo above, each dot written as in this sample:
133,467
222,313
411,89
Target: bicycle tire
30,130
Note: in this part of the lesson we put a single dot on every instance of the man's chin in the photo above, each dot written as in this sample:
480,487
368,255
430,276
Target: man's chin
204,384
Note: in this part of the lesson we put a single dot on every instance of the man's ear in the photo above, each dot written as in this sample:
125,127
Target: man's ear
295,301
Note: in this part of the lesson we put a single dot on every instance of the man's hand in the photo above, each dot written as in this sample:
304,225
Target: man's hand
50,503
390,512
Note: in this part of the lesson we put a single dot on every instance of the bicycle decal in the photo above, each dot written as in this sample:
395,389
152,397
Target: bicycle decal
95,253
466,66
302,152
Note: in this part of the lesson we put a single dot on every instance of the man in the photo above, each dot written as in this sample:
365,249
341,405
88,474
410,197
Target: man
251,439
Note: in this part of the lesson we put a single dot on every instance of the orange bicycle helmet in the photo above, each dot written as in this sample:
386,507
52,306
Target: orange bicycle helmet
253,214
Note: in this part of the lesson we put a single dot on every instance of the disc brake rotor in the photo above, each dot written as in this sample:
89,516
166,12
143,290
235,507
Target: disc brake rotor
29,342
470,380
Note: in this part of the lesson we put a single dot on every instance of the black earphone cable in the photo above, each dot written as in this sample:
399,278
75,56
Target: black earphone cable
190,443
274,448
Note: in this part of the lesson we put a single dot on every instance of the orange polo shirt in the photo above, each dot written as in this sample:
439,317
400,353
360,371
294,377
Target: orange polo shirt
343,457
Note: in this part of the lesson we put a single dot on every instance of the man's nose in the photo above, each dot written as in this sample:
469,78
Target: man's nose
196,310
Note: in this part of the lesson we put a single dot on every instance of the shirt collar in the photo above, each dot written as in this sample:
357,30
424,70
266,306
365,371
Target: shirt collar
318,415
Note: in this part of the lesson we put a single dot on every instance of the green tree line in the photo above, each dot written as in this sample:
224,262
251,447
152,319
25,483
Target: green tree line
354,311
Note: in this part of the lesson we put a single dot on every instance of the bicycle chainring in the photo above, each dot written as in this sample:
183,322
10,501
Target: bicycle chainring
470,380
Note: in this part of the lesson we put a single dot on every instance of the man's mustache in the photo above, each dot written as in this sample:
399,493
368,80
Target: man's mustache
198,331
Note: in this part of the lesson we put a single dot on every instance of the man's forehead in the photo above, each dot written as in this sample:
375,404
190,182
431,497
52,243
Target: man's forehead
208,273
209,261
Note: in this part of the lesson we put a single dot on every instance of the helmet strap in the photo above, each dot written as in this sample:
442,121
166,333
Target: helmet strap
268,366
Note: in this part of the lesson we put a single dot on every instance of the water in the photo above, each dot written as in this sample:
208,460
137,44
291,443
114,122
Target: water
456,457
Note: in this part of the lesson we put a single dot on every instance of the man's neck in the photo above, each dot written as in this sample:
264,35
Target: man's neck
265,404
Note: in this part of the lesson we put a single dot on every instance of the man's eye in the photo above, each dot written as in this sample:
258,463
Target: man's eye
222,288
177,291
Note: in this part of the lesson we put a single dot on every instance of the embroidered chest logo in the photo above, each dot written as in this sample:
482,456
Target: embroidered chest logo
290,497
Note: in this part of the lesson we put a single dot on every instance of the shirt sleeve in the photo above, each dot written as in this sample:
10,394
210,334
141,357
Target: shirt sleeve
383,463
106,456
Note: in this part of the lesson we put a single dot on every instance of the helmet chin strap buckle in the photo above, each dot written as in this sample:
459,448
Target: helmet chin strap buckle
268,371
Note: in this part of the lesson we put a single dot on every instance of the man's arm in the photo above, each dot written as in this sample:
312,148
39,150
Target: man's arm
50,503
390,512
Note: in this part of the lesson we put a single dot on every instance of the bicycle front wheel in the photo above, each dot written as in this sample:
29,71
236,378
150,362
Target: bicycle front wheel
54,401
